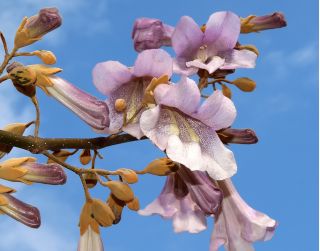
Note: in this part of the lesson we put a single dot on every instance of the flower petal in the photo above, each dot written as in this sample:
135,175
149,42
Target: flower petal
238,225
153,63
239,59
222,31
214,64
91,110
184,96
110,75
90,241
180,67
217,111
187,38
188,141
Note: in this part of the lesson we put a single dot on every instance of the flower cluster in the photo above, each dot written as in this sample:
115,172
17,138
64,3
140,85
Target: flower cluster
186,121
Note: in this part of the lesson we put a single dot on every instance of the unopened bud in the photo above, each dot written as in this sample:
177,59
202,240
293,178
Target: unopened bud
245,84
47,57
90,179
116,206
134,204
237,136
128,175
32,29
150,33
120,105
161,167
85,156
120,190
259,23
226,91
102,213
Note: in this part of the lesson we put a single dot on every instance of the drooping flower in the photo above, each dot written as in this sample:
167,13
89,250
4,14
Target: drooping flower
94,213
119,82
259,23
91,110
26,170
186,130
18,210
238,225
187,197
212,48
151,33
34,28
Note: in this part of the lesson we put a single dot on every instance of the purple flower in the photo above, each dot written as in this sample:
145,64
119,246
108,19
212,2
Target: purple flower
187,197
26,170
150,33
18,210
259,23
238,225
212,49
119,82
186,130
91,110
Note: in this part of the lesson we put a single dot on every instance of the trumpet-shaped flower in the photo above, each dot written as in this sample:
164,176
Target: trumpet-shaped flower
212,48
187,197
126,85
238,225
186,130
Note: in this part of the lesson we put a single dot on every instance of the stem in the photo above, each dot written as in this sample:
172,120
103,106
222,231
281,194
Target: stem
64,164
220,80
4,78
38,145
85,188
37,122
6,60
4,42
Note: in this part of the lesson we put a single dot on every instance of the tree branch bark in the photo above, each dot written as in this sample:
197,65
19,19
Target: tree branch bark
38,145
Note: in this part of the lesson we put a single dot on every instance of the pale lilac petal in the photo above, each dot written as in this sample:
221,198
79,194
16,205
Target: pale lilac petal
222,31
214,64
217,111
132,93
153,63
90,241
187,38
180,68
109,76
238,225
188,141
184,96
239,59
189,217
91,110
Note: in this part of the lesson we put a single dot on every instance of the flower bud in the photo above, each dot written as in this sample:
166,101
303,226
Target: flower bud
120,105
62,155
120,190
20,211
161,167
245,84
237,136
134,204
149,33
15,128
116,206
47,57
26,170
226,91
102,213
128,175
259,23
90,179
249,47
32,29
85,156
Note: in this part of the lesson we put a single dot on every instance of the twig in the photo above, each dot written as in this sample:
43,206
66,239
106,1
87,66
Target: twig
4,42
37,122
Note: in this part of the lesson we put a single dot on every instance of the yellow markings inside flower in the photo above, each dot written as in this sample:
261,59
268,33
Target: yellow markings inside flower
148,97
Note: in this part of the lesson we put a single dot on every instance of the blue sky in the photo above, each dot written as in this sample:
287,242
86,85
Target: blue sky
278,176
